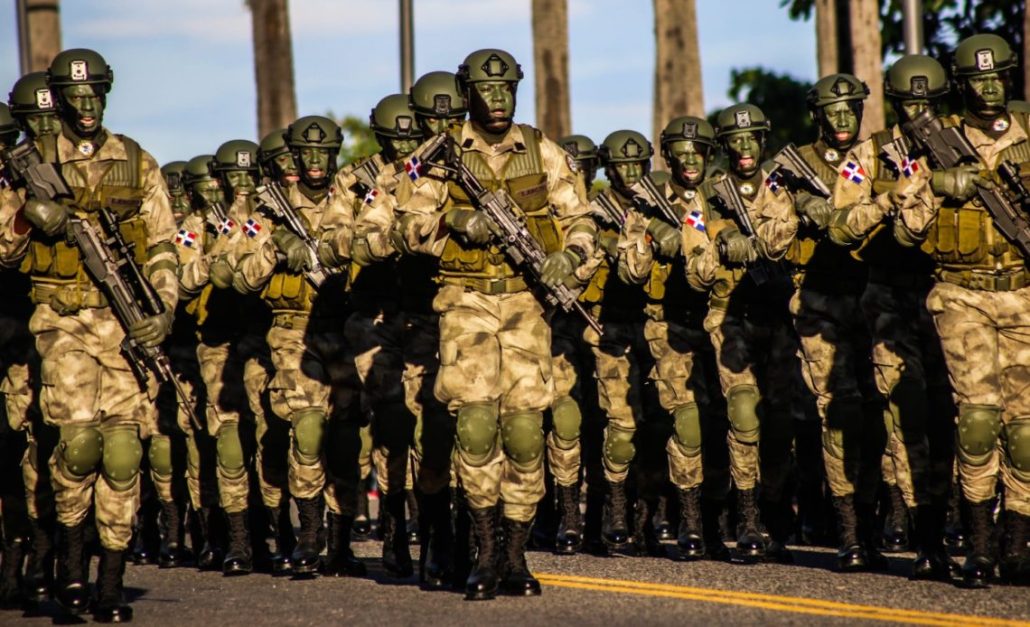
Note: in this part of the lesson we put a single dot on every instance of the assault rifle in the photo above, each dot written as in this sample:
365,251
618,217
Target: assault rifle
647,190
797,173
508,225
947,148
762,270
279,208
218,218
109,260
611,211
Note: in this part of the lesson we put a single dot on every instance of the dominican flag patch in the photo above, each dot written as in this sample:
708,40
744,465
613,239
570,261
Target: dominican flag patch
774,182
414,168
371,196
853,172
696,219
185,238
252,227
226,226
909,167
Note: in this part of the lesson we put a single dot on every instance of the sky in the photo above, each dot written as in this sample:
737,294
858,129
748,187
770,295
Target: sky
184,73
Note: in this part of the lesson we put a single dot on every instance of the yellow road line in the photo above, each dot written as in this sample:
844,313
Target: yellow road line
779,603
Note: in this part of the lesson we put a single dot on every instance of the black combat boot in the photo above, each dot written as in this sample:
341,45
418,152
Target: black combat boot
339,558
482,581
895,523
932,561
110,607
645,537
396,554
955,534
239,560
851,556
172,554
1014,566
305,554
362,526
146,532
978,568
517,580
72,589
212,549
569,538
662,523
750,542
869,538
690,543
715,546
779,523
464,541
435,567
15,548
413,516
39,567
283,539
615,529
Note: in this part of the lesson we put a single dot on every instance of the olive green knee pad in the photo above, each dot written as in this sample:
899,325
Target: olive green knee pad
1017,444
523,436
161,455
123,453
618,446
81,449
308,433
978,429
687,421
567,419
229,450
477,432
742,408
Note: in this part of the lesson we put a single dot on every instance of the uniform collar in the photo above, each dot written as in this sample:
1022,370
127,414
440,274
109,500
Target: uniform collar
513,140
102,146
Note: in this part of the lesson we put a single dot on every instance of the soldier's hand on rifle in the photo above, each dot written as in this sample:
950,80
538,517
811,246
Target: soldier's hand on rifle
735,247
557,266
665,239
360,253
813,209
297,257
609,243
959,183
474,226
46,215
220,273
153,330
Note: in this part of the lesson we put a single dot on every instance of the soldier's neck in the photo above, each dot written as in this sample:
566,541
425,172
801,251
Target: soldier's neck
316,195
97,139
488,136
994,126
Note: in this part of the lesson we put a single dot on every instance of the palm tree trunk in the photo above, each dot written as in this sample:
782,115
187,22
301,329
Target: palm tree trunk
867,57
551,66
677,80
273,64
826,41
40,32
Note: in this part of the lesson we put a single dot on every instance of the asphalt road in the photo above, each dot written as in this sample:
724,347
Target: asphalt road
578,590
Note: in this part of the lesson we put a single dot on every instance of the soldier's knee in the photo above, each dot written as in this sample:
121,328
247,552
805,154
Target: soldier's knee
81,449
618,446
523,436
742,407
123,453
567,419
160,456
833,442
308,434
978,429
687,422
1017,444
477,431
229,449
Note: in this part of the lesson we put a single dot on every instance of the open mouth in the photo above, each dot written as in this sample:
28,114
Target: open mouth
87,121
691,172
746,162
842,135
316,173
293,178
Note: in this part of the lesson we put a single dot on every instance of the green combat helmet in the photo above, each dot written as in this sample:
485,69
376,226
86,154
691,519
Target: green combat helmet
32,104
275,159
72,71
916,77
437,102
836,88
626,157
172,173
315,141
200,185
582,153
488,64
393,122
982,54
686,143
835,103
235,165
741,118
8,127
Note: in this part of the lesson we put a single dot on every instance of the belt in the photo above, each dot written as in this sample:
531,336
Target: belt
67,299
291,319
986,281
488,286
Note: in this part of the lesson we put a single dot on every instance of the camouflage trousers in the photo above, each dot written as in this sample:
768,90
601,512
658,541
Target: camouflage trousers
434,428
835,349
911,375
622,360
679,376
569,360
496,350
87,384
314,369
757,353
985,337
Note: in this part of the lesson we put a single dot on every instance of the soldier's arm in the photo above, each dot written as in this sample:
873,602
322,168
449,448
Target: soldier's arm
636,255
568,199
374,223
162,265
916,205
337,227
14,229
419,226
193,265
254,259
775,221
857,209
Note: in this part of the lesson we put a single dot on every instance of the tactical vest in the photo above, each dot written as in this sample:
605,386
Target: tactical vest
525,180
727,278
609,297
820,264
963,239
291,292
671,297
121,189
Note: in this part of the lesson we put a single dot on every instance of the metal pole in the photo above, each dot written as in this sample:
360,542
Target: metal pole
407,30
24,45
912,26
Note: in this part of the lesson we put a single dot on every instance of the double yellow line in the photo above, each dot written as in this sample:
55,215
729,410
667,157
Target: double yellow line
774,602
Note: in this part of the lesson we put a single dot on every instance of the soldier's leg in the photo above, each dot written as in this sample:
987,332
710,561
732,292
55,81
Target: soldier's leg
13,508
564,452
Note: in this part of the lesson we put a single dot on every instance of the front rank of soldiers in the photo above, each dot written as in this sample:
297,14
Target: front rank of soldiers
467,314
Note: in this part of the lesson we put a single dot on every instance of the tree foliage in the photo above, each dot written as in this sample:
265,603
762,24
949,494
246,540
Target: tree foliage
358,140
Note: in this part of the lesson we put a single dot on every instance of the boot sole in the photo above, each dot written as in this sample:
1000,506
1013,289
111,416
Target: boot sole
480,596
